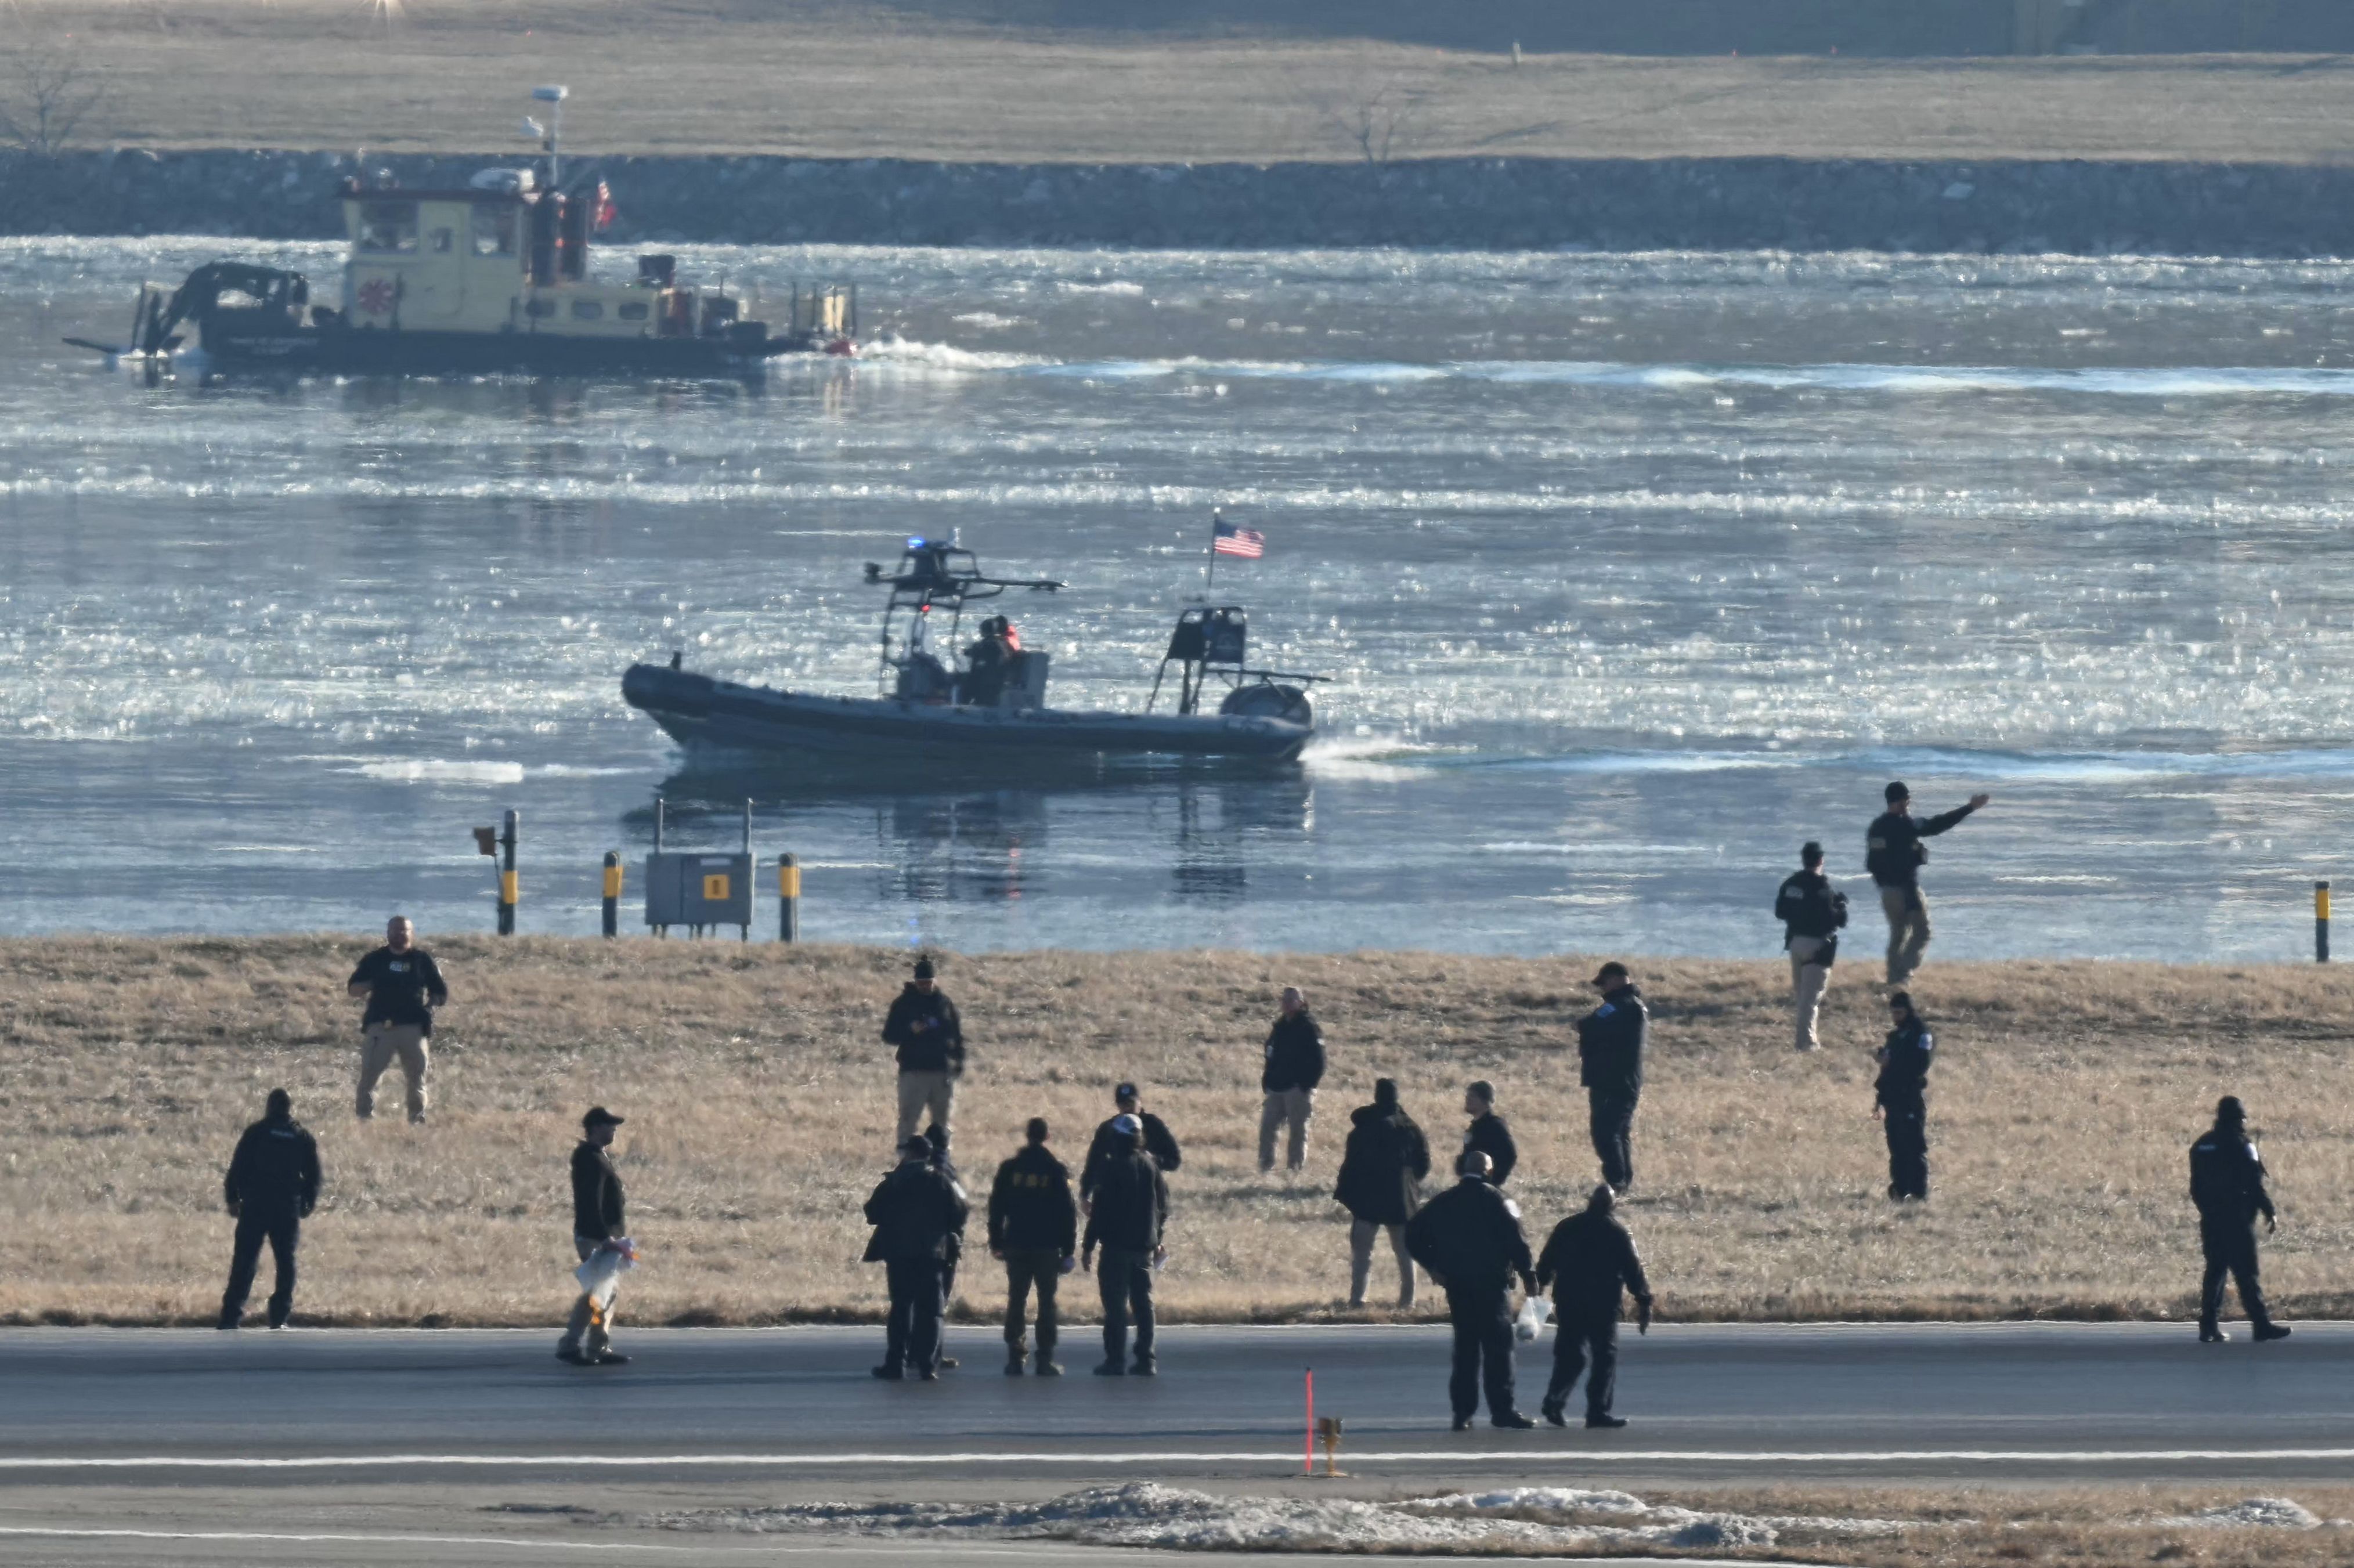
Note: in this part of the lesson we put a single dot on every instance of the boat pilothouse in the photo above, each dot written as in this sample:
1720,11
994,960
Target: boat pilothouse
489,276
985,703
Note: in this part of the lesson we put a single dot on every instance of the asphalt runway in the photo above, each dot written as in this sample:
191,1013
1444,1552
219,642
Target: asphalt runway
331,1446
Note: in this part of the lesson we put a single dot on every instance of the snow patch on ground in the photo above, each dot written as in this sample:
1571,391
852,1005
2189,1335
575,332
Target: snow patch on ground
1149,1515
2255,1513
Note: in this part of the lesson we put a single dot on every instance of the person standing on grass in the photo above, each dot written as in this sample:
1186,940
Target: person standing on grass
1811,911
1294,1066
2227,1183
1589,1260
1034,1230
1610,1043
402,986
1382,1169
600,1217
272,1186
923,1025
1128,1221
1159,1142
1469,1238
1895,855
1488,1133
917,1211
1900,1100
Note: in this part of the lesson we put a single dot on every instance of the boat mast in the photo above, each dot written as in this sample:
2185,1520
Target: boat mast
553,136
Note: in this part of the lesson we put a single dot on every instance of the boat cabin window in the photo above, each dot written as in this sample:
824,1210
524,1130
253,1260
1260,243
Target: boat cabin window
388,228
495,230
539,307
631,311
442,242
587,310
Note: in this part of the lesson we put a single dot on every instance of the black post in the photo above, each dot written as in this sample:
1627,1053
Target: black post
510,888
788,899
2321,922
613,892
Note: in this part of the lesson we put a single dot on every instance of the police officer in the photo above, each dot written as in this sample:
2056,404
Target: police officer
1128,1221
1895,854
1900,1098
923,1023
1469,1238
1610,1064
1034,1230
271,1185
1488,1133
1812,912
1382,1169
2227,1182
599,1214
1159,1142
1589,1260
916,1210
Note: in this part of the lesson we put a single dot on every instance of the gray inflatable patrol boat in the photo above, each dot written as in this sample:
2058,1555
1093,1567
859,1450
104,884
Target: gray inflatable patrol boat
988,709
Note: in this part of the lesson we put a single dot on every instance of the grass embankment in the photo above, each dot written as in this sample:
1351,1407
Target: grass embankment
938,79
760,1099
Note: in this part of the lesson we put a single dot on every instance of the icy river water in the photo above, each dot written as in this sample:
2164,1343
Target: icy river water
1632,572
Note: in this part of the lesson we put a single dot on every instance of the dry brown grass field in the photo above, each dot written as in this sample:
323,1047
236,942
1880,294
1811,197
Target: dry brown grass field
760,1095
940,80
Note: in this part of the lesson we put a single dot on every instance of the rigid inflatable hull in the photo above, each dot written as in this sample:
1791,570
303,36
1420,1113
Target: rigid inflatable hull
698,711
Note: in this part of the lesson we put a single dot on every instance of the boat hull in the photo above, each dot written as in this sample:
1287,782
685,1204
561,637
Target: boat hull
703,713
373,351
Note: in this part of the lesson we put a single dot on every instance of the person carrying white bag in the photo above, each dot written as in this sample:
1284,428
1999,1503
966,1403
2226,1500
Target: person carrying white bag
598,1217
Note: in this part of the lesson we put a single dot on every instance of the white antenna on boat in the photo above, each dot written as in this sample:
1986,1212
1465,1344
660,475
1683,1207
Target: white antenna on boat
553,96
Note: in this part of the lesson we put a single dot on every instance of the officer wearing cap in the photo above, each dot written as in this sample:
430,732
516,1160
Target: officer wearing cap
1159,1142
1901,1098
1895,854
2227,1183
1469,1238
599,1216
1610,1064
917,1211
1128,1221
923,1025
271,1185
1811,911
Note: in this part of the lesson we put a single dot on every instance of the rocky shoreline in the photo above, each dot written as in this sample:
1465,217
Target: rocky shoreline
2072,207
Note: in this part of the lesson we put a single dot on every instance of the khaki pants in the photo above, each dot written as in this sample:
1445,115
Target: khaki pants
379,1045
919,1093
1808,981
1292,1105
1360,1261
587,1324
1908,931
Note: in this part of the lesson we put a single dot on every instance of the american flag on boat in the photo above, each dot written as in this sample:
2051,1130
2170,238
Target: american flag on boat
1225,539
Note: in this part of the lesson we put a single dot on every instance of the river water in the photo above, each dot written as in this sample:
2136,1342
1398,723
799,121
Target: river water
1631,573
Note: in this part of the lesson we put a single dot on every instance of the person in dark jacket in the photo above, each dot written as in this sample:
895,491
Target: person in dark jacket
1294,1066
1610,1064
1488,1133
600,1216
1159,1142
1128,1221
2227,1183
1034,1230
1589,1260
272,1186
923,1025
402,986
1382,1169
917,1211
1901,1098
1893,853
1469,1238
1812,912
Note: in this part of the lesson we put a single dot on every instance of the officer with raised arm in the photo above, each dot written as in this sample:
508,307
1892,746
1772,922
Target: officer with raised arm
1895,854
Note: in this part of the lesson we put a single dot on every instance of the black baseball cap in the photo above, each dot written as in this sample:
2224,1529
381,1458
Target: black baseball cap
599,1116
1895,792
924,969
1125,1092
1613,968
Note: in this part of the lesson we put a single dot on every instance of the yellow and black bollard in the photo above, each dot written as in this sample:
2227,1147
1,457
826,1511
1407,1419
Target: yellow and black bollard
510,885
2321,922
788,899
613,892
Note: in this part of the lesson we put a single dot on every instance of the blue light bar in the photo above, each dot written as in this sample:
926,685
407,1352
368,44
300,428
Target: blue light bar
915,541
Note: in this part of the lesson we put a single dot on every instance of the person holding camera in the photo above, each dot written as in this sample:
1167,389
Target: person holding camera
1812,912
1895,854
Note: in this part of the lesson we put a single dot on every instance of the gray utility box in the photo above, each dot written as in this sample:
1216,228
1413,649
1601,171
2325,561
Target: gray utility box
698,889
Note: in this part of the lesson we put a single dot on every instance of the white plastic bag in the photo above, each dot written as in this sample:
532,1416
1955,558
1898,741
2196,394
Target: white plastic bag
1532,1317
601,1271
